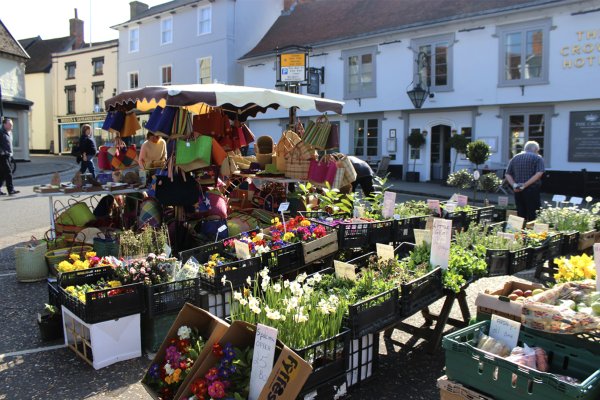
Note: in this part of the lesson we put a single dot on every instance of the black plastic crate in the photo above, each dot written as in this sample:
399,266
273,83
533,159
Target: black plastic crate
218,304
235,271
284,260
101,305
485,215
554,246
545,273
403,230
421,292
499,214
169,297
332,389
537,256
201,253
363,359
570,242
381,231
518,260
327,358
373,314
53,294
354,235
498,262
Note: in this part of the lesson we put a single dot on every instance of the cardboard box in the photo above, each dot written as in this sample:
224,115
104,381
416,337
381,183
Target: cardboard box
210,327
287,377
498,303
450,390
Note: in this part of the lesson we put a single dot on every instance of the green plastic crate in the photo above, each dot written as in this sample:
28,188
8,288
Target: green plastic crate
494,375
155,329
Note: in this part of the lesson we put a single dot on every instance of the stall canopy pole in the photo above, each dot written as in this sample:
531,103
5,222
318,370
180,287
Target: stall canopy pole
292,121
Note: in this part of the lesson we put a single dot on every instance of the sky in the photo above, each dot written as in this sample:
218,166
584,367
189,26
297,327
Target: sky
50,18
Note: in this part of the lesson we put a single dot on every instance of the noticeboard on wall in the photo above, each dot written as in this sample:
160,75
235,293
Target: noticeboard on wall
584,136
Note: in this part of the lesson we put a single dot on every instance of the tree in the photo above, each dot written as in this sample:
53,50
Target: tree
459,144
478,152
416,141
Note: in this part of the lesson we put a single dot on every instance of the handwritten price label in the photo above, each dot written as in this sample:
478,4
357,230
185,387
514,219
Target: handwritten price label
440,242
422,236
462,200
242,249
385,251
344,270
505,330
262,359
503,201
540,228
434,205
514,223
389,203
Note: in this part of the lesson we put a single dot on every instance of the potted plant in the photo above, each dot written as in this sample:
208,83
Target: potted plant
489,183
459,143
416,141
50,323
478,152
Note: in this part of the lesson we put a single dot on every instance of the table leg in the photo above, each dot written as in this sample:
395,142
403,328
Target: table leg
438,331
52,226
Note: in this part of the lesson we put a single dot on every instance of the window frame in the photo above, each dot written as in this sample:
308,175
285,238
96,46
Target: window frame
363,93
432,41
199,20
199,70
96,60
68,65
94,86
67,90
129,74
523,27
507,112
162,31
136,29
380,139
162,68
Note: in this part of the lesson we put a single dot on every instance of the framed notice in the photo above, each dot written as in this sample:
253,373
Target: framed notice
292,67
584,136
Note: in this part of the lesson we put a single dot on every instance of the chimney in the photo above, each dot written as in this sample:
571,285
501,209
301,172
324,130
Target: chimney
76,31
288,4
136,8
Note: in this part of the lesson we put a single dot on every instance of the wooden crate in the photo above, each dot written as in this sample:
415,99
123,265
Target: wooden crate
450,390
586,240
322,247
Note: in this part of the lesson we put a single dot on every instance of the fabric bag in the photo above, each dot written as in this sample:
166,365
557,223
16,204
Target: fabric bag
117,123
150,213
103,160
182,123
106,244
296,167
121,157
76,213
349,171
218,204
307,152
218,153
317,133
331,169
193,154
288,140
165,123
248,135
30,261
182,190
333,141
152,123
130,126
317,171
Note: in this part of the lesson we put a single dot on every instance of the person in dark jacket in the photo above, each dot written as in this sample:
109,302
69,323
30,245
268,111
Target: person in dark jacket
87,148
364,175
6,153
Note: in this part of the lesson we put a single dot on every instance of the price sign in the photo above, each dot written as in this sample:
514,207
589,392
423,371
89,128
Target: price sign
389,203
242,249
344,270
283,207
221,229
265,342
505,330
540,228
575,200
503,201
462,200
385,251
453,198
450,207
440,242
429,223
422,236
514,223
597,261
509,236
558,198
434,205
359,211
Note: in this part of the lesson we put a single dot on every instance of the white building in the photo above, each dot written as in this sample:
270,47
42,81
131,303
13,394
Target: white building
502,71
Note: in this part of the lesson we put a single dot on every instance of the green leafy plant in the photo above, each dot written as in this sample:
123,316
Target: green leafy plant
462,179
464,264
412,208
326,199
489,182
375,199
458,143
478,152
416,141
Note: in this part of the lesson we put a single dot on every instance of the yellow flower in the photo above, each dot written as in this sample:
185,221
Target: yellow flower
90,254
214,257
275,220
305,222
174,378
209,271
64,266
114,284
288,236
74,257
81,297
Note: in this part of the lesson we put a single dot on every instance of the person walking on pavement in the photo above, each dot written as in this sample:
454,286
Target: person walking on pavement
364,175
524,174
87,148
6,153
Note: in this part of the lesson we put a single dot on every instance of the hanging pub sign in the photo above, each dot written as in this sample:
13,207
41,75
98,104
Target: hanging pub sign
292,67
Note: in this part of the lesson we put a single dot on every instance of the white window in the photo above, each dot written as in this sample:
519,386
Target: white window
437,71
165,75
134,80
204,20
366,136
166,30
205,70
359,73
524,53
134,40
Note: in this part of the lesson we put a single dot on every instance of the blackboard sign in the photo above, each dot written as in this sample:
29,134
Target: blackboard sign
584,136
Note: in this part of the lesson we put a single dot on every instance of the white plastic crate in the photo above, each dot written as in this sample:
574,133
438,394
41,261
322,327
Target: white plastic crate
104,343
363,355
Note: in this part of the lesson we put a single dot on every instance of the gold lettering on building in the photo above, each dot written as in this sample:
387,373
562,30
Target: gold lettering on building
588,46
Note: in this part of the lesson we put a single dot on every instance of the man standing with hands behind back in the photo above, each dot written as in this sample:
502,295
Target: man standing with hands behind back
524,174
6,152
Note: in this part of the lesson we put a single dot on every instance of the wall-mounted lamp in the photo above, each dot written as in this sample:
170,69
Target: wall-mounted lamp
420,90
424,133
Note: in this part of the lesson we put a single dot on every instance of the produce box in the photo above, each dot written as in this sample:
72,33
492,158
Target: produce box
404,228
498,262
488,373
235,271
381,231
450,390
570,243
518,260
169,297
319,248
497,302
586,240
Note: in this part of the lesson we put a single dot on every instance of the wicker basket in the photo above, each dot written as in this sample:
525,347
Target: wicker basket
29,261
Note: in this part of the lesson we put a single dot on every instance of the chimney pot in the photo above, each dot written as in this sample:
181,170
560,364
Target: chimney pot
136,8
76,31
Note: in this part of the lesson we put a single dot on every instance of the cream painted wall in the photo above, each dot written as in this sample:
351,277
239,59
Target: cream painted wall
40,93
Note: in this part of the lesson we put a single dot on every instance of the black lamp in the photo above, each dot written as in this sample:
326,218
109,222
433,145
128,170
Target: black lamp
418,94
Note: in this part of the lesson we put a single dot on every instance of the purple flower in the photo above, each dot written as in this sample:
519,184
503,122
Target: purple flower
172,356
228,352
154,371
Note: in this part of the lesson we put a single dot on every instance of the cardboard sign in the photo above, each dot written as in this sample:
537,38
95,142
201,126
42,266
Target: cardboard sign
284,206
453,198
221,229
242,249
262,360
344,270
440,242
540,228
429,223
597,261
509,236
462,200
389,203
514,223
503,201
557,198
505,330
434,205
385,251
422,236
450,207
575,200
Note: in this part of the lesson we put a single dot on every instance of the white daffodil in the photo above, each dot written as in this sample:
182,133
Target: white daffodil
249,280
286,284
302,277
255,310
168,369
588,199
323,307
264,272
224,279
243,301
296,288
300,318
276,287
317,277
184,332
274,315
265,283
237,296
310,282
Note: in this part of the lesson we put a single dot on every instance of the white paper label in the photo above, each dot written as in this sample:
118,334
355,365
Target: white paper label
450,207
453,198
434,205
422,236
284,206
397,217
514,223
167,250
540,228
262,360
505,330
440,242
344,270
509,236
389,203
503,201
360,211
575,200
222,228
597,261
462,200
558,198
242,249
385,251
429,223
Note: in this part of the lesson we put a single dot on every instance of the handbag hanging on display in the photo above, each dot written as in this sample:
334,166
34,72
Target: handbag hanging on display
165,123
152,123
287,142
193,154
317,133
182,124
181,190
248,135
130,126
296,166
333,141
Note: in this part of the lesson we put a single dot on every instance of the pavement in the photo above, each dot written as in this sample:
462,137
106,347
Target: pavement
41,165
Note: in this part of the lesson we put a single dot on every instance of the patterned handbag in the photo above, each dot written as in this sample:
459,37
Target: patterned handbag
296,166
349,172
317,133
288,140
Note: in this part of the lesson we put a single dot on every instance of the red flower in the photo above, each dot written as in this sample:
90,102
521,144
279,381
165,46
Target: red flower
199,387
182,345
217,350
212,374
217,390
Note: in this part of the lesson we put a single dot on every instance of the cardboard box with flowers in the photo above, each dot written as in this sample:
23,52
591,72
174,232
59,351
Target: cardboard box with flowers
188,342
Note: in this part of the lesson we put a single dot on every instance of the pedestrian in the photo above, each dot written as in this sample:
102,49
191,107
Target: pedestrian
6,153
524,174
364,175
153,153
87,148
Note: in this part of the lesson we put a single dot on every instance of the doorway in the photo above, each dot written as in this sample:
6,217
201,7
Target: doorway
440,152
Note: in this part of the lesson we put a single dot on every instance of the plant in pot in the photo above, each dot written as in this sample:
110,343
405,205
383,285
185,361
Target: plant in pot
50,323
478,152
415,140
489,183
459,143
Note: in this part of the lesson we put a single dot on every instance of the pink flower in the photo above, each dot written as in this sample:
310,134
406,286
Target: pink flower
216,390
212,374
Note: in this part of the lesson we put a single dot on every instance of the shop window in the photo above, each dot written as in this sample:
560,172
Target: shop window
525,125
204,20
205,70
524,53
438,53
165,75
98,92
467,132
70,92
166,30
134,40
69,136
98,65
70,68
359,73
366,136
134,80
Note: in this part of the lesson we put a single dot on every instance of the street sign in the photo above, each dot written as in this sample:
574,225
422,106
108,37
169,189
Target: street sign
293,67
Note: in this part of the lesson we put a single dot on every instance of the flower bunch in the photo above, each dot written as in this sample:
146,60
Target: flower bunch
79,291
228,379
166,376
258,242
535,239
575,268
297,229
208,268
75,263
152,270
568,219
301,315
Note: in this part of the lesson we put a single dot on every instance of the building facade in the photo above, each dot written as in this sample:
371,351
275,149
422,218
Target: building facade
82,79
186,42
504,72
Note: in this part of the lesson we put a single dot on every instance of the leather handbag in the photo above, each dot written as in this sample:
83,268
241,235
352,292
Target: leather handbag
181,190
